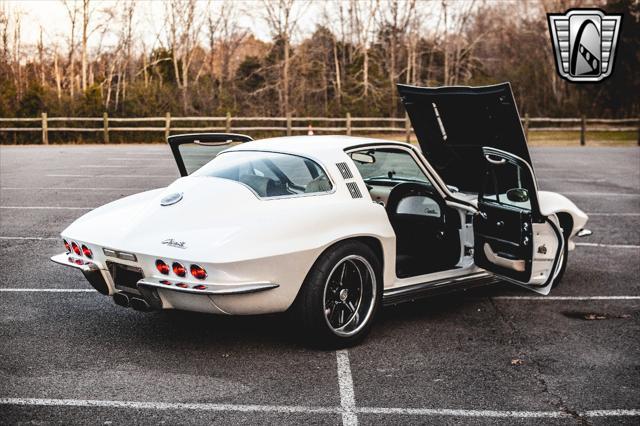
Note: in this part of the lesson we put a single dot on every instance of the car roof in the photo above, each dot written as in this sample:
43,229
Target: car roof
317,146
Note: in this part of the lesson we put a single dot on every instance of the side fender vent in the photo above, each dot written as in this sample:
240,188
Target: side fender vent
354,190
344,170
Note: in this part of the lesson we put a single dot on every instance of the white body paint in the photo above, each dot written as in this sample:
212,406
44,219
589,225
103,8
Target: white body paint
240,238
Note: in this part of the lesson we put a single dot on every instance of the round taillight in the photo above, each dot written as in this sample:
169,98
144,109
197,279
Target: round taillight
178,269
76,249
198,272
200,287
182,285
87,251
67,246
162,267
165,282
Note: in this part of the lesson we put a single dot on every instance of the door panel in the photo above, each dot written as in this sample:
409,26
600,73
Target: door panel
194,150
511,238
507,233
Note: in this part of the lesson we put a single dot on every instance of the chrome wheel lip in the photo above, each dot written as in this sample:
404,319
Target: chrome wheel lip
363,319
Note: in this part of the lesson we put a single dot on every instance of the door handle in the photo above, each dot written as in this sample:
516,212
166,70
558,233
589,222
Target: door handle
483,215
499,224
492,161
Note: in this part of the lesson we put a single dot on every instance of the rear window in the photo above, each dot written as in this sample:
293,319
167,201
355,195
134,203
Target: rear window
269,174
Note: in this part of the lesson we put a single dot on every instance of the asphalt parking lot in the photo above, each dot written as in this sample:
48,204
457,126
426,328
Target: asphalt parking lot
497,355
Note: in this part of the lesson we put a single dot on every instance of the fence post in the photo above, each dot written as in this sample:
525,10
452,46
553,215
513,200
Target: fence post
45,129
105,127
167,125
288,124
348,118
227,126
583,130
526,127
407,127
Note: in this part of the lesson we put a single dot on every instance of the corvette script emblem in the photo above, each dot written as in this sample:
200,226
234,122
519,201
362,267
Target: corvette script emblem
173,243
171,199
585,43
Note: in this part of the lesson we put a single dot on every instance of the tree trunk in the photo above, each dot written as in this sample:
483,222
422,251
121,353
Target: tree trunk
285,76
85,24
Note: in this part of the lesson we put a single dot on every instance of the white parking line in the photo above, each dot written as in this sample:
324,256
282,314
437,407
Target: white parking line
554,298
496,413
30,238
31,188
115,176
45,208
345,382
292,409
621,246
588,180
603,194
47,290
166,405
612,214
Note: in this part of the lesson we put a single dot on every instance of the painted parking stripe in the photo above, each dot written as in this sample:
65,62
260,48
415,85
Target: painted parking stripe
291,409
166,405
612,214
31,188
30,238
563,298
496,413
621,246
345,383
603,194
45,208
47,290
115,176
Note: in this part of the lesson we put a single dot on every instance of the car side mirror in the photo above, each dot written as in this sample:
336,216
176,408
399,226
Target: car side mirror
518,195
363,158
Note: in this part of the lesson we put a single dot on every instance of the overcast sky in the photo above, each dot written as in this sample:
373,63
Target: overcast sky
52,16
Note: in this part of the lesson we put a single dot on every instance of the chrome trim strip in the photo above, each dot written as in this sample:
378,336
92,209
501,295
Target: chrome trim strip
212,288
63,259
415,291
584,233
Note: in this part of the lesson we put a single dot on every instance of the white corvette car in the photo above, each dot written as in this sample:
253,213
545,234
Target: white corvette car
332,227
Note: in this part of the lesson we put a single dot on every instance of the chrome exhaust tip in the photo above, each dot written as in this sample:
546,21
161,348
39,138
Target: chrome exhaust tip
121,299
140,305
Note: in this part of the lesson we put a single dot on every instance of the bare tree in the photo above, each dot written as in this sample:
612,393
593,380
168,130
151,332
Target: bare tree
283,21
184,27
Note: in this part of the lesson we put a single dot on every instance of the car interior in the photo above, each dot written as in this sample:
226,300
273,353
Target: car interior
427,231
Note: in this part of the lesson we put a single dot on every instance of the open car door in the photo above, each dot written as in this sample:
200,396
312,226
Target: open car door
453,124
511,237
194,150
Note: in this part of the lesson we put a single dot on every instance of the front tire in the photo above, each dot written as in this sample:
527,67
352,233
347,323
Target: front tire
340,296
563,265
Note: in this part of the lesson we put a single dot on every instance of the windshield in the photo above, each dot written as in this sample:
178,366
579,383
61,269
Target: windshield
269,174
389,165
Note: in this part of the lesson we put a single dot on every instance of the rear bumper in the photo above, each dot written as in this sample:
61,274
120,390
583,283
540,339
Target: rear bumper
207,288
91,271
170,293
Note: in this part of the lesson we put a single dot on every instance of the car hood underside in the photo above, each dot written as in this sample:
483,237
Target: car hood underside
452,124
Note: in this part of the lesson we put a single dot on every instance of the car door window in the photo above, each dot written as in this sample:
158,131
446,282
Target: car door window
505,185
388,165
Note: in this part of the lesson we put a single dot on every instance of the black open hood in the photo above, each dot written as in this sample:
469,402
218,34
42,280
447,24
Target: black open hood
452,125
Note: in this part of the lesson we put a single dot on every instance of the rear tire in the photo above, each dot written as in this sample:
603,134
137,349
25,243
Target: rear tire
340,296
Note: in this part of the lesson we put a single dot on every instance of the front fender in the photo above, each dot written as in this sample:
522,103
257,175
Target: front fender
553,203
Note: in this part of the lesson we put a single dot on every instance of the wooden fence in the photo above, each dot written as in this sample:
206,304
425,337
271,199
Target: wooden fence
290,125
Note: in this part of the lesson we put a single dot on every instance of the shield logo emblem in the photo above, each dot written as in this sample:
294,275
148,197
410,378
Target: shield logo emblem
584,41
